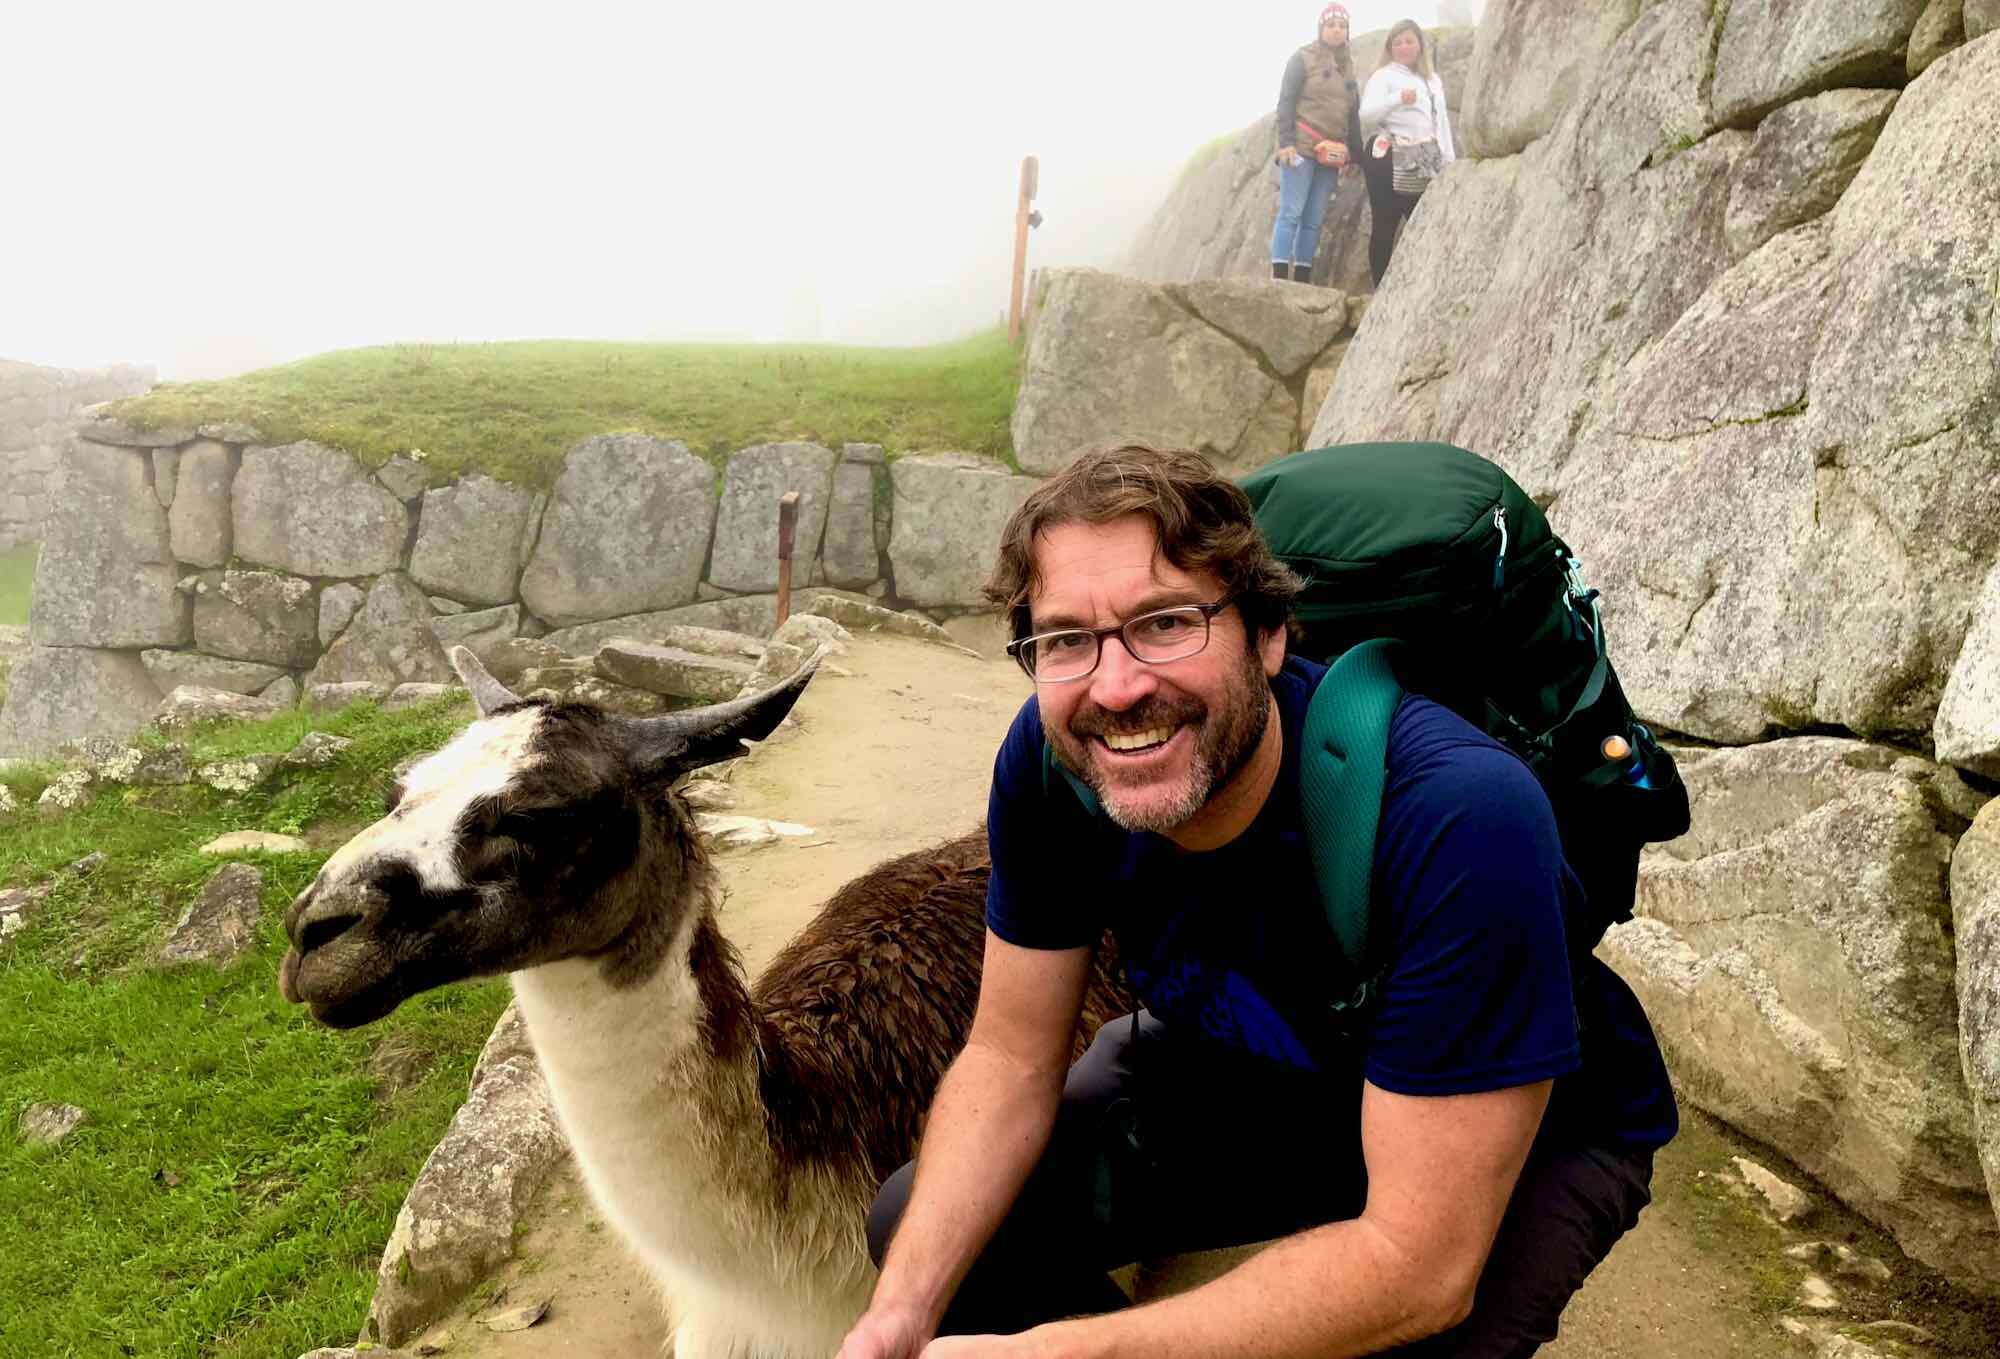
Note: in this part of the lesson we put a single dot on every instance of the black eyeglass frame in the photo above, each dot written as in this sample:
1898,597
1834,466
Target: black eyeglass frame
1018,648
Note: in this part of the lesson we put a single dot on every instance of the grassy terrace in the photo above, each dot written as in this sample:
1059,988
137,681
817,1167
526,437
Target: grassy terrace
512,410
17,574
241,1168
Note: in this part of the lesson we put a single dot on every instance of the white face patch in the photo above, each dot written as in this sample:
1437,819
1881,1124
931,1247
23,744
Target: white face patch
481,761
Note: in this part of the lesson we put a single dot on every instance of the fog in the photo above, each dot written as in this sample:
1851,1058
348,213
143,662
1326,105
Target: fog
212,187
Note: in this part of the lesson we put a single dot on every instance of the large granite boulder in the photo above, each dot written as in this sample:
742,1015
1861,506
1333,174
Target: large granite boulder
198,519
257,616
473,539
1975,909
1968,720
1805,156
220,924
746,615
626,531
314,511
479,630
949,513
190,705
745,556
1791,951
458,1223
1732,449
1284,325
106,574
1774,51
1530,59
1980,18
1116,359
850,551
58,694
672,671
389,642
171,669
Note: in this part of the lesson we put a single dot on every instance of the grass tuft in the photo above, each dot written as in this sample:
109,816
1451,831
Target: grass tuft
17,576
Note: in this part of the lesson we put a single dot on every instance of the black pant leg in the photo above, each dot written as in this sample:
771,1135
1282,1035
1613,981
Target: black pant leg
1385,213
1568,1210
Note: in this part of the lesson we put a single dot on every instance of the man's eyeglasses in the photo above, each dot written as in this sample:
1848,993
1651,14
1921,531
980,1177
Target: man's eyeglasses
1154,638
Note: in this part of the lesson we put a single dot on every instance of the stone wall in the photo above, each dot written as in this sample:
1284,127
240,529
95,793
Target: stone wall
39,407
201,557
1720,294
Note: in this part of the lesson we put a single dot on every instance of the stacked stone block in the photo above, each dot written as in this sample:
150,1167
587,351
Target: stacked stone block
39,407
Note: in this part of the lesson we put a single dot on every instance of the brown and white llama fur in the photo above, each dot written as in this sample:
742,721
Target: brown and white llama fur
734,1136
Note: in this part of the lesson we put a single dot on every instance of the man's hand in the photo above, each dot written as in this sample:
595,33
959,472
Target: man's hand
1035,1344
885,1335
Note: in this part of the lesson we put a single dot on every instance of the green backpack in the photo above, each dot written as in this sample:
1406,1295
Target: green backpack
1428,570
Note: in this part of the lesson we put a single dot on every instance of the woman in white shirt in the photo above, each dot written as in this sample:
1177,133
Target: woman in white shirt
1403,116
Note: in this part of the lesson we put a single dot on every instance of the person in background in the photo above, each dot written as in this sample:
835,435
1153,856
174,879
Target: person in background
1318,130
1403,118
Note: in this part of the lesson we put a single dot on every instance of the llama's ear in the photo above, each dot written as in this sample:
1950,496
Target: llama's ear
669,746
488,694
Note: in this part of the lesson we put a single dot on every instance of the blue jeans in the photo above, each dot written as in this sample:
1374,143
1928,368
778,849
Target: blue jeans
1303,193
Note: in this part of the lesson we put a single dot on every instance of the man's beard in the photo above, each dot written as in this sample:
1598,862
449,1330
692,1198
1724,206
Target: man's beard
1224,742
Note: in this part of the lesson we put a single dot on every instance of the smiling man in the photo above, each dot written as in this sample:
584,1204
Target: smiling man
1436,1179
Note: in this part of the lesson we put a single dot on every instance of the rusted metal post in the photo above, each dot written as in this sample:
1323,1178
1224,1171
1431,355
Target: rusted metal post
1031,171
788,523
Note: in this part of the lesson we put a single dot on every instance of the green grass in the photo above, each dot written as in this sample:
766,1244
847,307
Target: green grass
241,1167
17,575
1203,156
513,410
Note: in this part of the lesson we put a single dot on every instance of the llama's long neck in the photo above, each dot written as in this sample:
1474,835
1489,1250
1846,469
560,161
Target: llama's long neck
651,1057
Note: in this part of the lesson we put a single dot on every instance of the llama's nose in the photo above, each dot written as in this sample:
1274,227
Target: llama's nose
320,916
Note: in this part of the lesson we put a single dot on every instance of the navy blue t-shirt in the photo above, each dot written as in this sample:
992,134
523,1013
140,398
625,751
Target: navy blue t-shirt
1485,988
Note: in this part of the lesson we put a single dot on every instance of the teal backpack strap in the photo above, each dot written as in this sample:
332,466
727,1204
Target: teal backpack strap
1341,761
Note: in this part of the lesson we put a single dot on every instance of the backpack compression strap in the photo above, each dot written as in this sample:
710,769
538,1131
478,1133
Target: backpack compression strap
1345,746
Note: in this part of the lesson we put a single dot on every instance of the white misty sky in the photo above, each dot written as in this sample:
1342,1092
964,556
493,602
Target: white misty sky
204,185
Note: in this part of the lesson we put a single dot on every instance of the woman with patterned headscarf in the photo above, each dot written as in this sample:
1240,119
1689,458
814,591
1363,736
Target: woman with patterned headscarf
1319,130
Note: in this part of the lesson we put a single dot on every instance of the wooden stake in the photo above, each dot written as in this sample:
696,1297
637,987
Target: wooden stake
1030,174
788,523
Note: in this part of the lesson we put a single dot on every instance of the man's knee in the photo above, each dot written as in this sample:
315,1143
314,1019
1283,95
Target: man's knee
887,1210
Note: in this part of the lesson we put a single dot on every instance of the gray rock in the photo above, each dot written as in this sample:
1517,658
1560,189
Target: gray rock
313,511
469,540
1790,952
1530,60
446,607
1968,720
49,1123
230,432
812,632
18,903
868,455
141,767
403,477
189,705
1941,28
1788,1203
458,1223
282,691
478,631
220,925
9,804
199,524
102,428
389,642
860,617
106,574
671,671
661,629
324,698
1829,394
626,531
1284,324
507,661
617,698
171,669
166,471
67,791
1112,358
1774,51
256,616
415,695
780,662
337,606
1975,909
316,750
58,694
255,842
1981,17
1805,156
949,513
240,775
850,555
745,555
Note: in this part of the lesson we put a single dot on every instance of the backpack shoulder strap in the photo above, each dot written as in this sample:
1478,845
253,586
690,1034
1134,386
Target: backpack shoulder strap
1341,761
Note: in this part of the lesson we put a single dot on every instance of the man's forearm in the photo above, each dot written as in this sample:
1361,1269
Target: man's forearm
987,1127
1343,1289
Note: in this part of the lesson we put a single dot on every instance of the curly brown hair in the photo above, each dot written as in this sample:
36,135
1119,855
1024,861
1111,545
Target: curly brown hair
1203,520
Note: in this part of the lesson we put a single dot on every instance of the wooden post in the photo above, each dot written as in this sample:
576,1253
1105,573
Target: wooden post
788,523
1030,175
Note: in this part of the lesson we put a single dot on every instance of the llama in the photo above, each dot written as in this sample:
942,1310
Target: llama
733,1136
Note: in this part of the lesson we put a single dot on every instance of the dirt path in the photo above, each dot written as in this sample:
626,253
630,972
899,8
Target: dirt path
895,754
